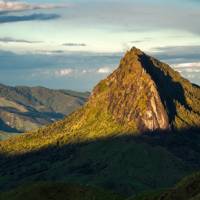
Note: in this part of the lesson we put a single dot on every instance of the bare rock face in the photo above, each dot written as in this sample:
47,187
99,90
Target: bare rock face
155,116
132,95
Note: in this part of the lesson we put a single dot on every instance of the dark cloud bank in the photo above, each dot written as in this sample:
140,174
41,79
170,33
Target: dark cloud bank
32,17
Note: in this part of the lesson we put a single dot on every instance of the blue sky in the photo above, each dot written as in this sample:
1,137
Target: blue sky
73,44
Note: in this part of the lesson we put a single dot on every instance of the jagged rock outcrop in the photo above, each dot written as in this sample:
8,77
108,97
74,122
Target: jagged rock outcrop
150,94
132,95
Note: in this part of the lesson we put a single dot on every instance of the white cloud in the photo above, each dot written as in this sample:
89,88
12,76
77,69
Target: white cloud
191,70
63,72
193,67
84,71
191,76
71,72
186,65
104,70
18,6
50,73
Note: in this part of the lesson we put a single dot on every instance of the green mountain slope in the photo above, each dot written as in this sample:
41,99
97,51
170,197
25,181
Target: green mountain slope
125,164
25,108
58,191
187,189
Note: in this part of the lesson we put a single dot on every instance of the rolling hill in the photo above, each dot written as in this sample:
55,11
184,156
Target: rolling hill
27,108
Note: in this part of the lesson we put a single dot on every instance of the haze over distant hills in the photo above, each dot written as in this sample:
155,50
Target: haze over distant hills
27,108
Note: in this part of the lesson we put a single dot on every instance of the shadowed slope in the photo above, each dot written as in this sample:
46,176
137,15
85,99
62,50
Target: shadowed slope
180,97
187,189
58,191
125,164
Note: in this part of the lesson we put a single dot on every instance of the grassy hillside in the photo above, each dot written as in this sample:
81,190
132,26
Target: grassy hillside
187,189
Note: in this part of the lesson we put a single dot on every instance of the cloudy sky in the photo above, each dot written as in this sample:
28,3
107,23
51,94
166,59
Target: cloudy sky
73,44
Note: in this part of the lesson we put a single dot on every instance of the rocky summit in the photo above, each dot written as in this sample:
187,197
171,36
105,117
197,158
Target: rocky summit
141,95
131,95
148,95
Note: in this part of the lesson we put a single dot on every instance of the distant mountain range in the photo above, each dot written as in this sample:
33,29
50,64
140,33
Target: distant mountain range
138,131
26,108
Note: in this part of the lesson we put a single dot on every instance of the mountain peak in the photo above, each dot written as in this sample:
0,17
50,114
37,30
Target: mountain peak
136,51
149,94
131,95
142,94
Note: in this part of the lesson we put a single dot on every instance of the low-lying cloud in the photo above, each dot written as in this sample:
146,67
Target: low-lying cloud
63,72
188,65
189,70
13,40
72,72
104,70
